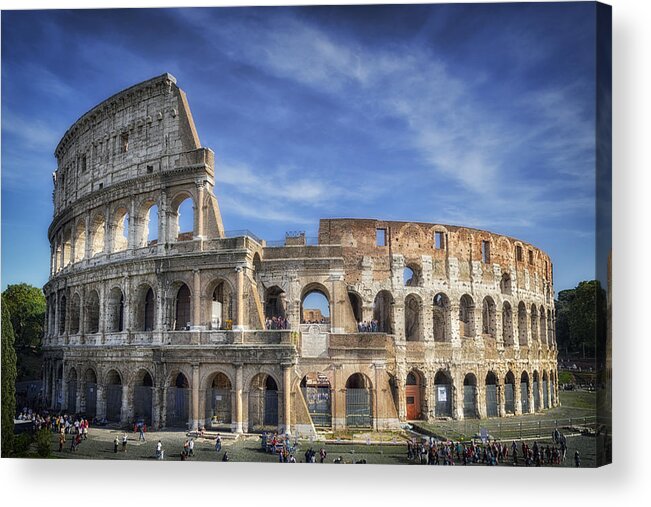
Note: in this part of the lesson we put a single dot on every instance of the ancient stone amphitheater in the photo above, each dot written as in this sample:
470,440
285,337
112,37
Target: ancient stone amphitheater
148,322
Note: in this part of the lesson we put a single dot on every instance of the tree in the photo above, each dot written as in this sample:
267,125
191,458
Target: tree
8,382
26,304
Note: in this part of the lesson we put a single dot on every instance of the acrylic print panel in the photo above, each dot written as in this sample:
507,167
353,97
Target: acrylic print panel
351,234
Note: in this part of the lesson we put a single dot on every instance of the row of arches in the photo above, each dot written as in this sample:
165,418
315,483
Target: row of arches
117,230
516,393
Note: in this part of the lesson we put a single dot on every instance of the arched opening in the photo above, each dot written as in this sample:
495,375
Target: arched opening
415,395
72,391
221,309
182,218
97,229
411,276
316,390
466,317
218,402
543,326
263,402
356,306
441,318
545,384
470,410
144,308
150,226
275,304
382,311
315,307
62,314
182,308
113,396
507,324
488,320
80,241
75,314
522,324
92,312
90,379
536,392
115,311
524,392
534,323
505,284
491,394
359,413
120,228
443,388
412,318
149,310
178,402
67,247
143,398
58,395
509,393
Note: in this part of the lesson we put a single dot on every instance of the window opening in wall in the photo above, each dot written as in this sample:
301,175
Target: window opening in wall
150,168
408,277
439,241
124,142
83,164
485,252
530,256
101,186
380,237
185,220
152,225
518,253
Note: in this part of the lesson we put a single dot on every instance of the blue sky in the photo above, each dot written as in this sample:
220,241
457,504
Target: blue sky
480,115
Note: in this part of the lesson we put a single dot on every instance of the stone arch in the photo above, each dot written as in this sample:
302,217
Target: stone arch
115,310
410,237
524,392
263,401
178,400
505,284
489,318
220,303
443,393
522,324
466,317
113,388
383,311
307,314
534,323
275,303
359,409
62,314
507,324
75,314
412,275
182,307
509,393
80,241
413,306
66,245
317,389
490,387
415,395
441,318
92,312
143,396
90,384
180,200
144,308
97,234
470,392
355,301
218,400
146,223
119,228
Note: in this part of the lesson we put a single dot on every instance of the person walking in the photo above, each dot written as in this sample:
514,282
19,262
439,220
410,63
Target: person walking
62,441
577,459
191,447
225,456
218,443
159,450
142,433
124,442
116,444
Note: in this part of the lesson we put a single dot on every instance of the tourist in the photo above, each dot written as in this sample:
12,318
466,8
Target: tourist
322,454
62,441
124,442
159,450
141,428
191,447
225,457
218,443
116,444
577,459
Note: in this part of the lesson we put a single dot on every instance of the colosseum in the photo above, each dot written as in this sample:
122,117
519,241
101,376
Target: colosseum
207,328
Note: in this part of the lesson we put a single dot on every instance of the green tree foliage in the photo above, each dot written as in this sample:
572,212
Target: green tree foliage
8,382
44,443
580,318
26,304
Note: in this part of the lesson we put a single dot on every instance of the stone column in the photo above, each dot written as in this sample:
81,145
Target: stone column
198,231
398,317
455,334
402,398
287,392
100,410
124,412
64,391
163,410
156,408
338,399
239,324
88,247
480,393
126,312
532,409
501,402
238,398
457,398
195,397
517,395
378,383
196,300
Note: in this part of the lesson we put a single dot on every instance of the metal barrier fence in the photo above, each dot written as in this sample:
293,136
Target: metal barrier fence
142,403
318,405
358,408
178,407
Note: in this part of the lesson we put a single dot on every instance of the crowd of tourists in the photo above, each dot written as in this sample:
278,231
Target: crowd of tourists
315,321
368,327
277,323
493,453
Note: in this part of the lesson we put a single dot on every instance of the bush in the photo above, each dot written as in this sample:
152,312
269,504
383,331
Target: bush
21,444
43,443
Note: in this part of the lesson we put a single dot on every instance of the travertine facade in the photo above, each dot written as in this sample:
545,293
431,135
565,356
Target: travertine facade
171,330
